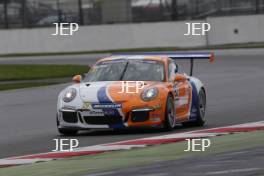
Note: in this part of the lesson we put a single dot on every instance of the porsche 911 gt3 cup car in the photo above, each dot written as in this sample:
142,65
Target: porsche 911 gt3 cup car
133,90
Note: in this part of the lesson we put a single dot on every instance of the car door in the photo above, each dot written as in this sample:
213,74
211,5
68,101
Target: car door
183,99
183,93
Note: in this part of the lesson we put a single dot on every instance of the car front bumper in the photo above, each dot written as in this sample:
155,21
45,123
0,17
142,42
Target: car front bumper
136,117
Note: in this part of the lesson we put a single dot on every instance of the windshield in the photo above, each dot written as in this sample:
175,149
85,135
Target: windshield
126,70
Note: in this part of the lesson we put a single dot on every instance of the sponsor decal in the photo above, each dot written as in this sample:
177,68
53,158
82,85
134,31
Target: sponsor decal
87,105
92,113
106,106
99,109
109,112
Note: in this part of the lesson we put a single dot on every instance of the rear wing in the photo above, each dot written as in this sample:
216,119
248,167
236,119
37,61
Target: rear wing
175,56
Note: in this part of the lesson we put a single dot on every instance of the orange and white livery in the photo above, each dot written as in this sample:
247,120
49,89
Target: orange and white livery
133,90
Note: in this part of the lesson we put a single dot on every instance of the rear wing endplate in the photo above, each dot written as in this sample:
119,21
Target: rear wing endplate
174,55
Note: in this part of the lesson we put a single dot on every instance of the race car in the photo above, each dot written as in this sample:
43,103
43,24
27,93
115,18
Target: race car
133,90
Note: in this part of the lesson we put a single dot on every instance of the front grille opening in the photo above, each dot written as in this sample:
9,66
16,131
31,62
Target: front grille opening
103,120
70,117
139,116
80,117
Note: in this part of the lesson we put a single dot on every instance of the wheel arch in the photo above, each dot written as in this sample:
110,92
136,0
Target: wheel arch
197,86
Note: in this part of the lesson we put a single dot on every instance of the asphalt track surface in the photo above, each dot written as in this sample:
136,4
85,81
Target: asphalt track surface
234,85
242,163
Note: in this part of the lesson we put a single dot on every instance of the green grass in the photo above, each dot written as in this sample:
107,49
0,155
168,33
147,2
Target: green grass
78,166
24,85
34,72
169,48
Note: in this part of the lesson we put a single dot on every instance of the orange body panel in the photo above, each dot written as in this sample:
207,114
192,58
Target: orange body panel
182,98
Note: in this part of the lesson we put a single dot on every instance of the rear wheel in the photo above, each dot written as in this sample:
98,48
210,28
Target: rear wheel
200,120
201,109
169,114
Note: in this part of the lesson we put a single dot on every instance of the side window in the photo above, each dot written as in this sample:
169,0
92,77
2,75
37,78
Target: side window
172,73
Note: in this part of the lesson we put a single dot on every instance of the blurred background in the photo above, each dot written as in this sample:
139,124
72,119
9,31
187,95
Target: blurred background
39,13
139,23
30,56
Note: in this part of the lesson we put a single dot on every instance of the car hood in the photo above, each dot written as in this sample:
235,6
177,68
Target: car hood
111,91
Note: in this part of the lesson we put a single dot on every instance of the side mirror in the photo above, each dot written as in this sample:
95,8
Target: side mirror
180,78
77,78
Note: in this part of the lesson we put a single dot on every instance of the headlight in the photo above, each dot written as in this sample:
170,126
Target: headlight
149,94
69,95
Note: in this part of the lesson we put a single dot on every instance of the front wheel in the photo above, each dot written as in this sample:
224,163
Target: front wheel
169,121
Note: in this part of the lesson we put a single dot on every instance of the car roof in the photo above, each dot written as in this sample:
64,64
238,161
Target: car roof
127,57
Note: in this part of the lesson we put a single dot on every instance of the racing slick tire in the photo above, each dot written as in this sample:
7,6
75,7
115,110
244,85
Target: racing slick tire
202,109
200,120
65,131
169,121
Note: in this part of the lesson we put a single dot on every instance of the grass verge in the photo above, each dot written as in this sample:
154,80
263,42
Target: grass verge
24,85
78,166
34,72
25,76
224,46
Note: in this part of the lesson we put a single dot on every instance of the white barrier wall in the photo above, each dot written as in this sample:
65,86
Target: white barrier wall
237,29
101,37
224,30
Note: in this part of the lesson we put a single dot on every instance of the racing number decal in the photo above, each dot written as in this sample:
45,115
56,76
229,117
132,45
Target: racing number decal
183,100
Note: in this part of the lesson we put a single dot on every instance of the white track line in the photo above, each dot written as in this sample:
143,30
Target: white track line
232,171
